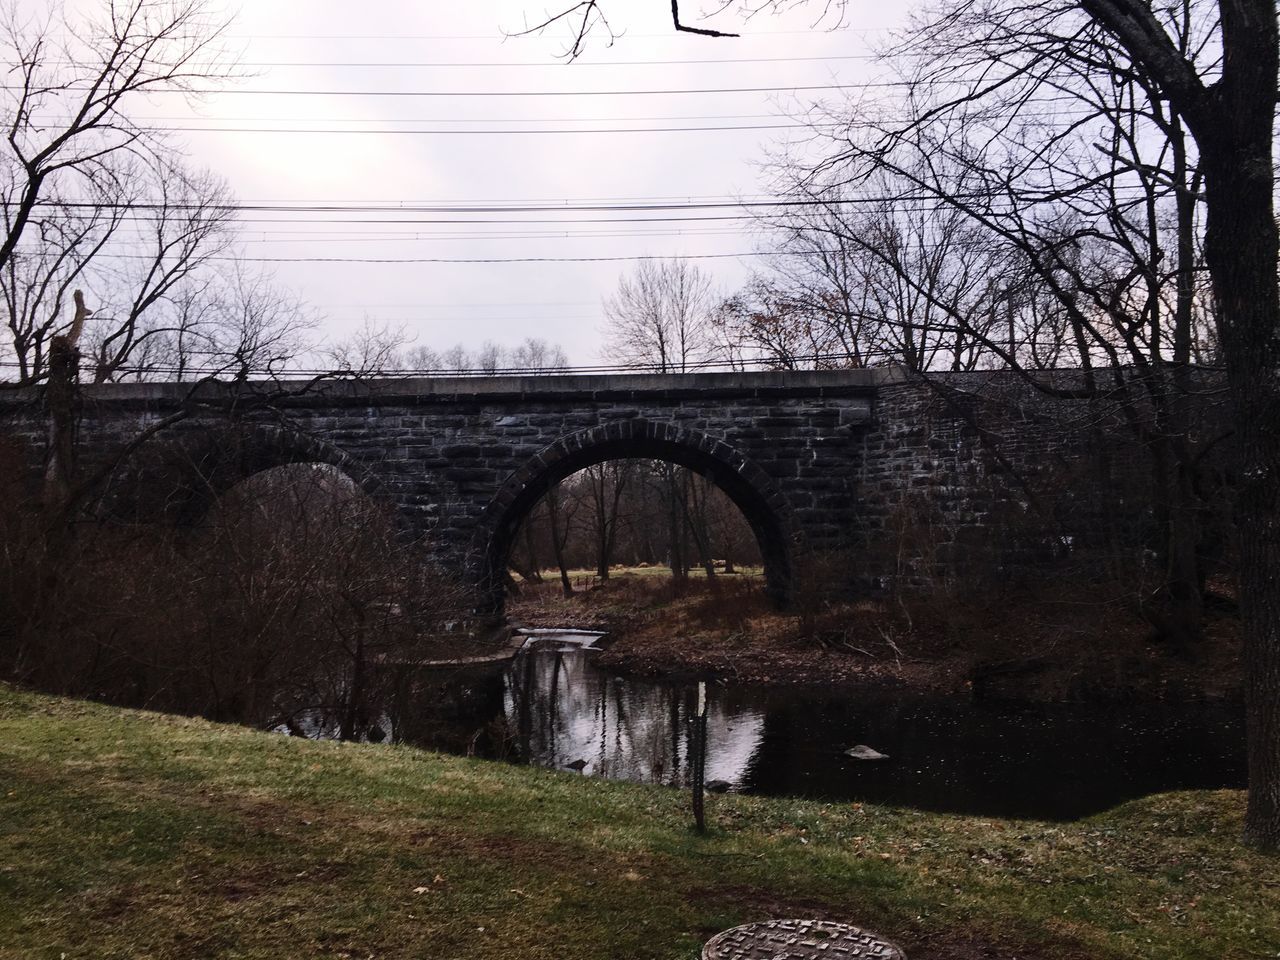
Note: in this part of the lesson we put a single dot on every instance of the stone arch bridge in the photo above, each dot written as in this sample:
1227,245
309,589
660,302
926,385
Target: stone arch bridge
818,462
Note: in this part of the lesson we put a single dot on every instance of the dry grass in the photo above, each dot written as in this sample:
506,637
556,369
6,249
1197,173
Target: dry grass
135,835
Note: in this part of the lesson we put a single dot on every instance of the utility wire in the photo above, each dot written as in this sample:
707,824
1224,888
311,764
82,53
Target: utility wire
679,118
483,303
428,320
538,206
762,35
722,199
471,133
356,221
337,238
208,91
464,260
406,64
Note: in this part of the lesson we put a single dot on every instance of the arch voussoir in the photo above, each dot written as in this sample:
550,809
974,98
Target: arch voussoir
178,479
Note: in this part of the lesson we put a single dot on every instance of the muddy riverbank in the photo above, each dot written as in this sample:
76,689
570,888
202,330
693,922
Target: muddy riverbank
1071,646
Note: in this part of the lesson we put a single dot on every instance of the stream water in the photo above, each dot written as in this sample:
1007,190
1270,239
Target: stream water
552,706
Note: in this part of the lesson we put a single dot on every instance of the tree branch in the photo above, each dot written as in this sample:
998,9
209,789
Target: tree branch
701,31
1135,27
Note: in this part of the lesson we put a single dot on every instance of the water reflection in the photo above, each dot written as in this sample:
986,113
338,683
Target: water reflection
563,712
551,706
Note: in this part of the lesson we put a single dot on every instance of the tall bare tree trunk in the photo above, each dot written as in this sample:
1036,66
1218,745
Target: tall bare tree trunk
534,574
352,716
61,400
1232,119
675,524
558,540
695,515
1242,248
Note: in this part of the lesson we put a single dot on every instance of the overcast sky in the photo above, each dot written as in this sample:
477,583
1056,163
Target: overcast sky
332,49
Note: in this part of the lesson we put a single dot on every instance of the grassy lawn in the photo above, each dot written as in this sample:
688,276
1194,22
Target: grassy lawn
135,835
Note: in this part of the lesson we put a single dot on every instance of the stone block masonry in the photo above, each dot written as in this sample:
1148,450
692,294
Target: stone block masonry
828,463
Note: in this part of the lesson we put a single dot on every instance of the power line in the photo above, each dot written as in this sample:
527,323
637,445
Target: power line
391,206
415,324
361,64
329,119
466,260
725,199
661,228
301,237
488,132
242,221
460,313
49,122
812,127
539,206
209,91
764,34
423,305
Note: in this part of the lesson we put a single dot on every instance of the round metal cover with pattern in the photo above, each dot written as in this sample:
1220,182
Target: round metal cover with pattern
799,940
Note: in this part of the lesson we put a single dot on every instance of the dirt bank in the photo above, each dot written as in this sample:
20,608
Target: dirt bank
1068,643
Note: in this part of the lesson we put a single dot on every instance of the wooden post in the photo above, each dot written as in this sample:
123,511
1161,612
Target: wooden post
699,743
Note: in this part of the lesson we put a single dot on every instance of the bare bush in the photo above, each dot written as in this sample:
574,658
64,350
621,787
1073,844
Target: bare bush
283,604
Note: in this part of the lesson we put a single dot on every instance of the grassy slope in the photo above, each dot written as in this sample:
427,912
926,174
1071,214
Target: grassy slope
126,834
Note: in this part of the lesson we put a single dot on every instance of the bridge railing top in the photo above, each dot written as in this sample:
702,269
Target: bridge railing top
338,388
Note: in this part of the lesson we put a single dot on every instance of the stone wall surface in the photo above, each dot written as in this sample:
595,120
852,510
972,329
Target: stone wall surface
900,477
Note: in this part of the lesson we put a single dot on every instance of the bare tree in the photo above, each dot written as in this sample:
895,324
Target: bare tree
660,316
660,319
373,348
37,280
531,355
860,283
141,299
258,328
561,511
70,88
536,354
1095,201
185,229
607,485
71,168
766,323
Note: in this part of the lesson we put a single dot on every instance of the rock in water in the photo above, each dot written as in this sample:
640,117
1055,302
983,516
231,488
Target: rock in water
863,752
718,786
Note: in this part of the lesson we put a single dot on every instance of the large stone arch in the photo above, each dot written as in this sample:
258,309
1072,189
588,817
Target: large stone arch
178,479
754,492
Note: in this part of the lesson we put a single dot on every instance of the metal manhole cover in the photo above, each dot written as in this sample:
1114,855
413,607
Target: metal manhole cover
799,940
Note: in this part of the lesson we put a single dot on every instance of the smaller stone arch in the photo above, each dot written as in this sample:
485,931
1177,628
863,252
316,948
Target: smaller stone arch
176,481
753,491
